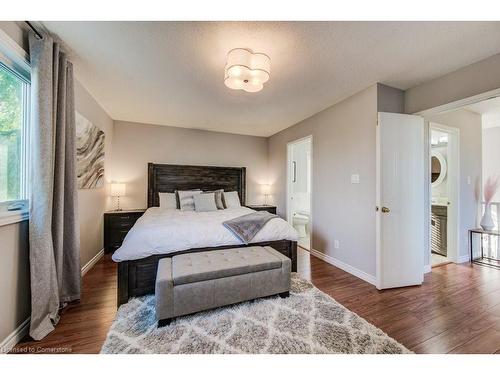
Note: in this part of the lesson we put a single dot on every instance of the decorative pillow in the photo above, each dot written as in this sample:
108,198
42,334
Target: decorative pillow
186,200
168,200
218,198
204,202
231,199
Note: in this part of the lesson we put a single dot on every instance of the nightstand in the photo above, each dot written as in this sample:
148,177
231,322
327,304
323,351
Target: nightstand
116,226
270,209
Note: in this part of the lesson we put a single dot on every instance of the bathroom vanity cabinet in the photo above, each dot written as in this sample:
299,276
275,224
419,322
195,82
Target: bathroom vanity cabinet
439,224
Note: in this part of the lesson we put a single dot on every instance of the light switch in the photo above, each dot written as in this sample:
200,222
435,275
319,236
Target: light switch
355,179
468,180
336,244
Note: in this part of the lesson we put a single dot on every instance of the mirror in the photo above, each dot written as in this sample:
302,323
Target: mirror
438,168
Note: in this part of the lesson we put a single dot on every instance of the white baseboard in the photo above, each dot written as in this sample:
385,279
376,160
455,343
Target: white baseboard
86,268
16,336
427,268
345,267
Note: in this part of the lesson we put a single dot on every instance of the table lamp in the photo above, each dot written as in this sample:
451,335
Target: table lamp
266,188
118,190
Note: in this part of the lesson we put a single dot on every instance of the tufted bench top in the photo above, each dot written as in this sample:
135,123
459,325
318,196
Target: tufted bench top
194,267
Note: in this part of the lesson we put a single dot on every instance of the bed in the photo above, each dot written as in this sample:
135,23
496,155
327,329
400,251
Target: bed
137,267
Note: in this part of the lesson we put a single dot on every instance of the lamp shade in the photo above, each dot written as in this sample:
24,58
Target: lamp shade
117,189
265,189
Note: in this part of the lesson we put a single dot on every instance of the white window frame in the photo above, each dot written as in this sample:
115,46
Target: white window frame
17,60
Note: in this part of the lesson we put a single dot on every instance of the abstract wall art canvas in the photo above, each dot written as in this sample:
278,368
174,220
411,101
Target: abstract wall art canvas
89,154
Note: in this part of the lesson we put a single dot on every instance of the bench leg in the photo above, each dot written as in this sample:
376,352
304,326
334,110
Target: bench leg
284,294
164,322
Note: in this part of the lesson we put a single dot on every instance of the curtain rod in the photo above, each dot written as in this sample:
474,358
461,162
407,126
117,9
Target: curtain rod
40,36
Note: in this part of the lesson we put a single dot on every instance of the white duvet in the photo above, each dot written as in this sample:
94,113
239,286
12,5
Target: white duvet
162,231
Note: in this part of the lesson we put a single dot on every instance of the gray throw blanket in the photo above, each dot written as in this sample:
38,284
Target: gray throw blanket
247,226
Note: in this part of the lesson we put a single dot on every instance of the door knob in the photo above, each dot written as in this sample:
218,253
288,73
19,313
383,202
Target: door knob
385,210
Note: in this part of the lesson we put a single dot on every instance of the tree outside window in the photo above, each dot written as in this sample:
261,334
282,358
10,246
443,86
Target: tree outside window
11,122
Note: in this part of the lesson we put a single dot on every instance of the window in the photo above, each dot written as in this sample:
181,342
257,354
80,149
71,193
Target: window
14,125
13,93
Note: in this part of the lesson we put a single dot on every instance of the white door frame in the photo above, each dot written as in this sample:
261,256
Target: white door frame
453,182
289,187
451,106
459,103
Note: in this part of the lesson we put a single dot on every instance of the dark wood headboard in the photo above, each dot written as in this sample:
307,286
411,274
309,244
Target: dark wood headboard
167,178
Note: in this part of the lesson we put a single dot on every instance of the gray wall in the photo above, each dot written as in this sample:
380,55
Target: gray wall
14,277
471,80
390,99
343,144
469,124
17,31
93,202
491,155
135,145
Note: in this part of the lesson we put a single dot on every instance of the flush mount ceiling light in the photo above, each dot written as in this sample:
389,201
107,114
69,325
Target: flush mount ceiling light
246,70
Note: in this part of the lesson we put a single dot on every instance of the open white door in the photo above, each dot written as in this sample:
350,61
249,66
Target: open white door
400,200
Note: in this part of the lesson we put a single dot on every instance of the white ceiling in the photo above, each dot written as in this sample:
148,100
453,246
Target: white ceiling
171,73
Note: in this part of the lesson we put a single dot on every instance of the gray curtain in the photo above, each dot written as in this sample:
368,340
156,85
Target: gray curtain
53,226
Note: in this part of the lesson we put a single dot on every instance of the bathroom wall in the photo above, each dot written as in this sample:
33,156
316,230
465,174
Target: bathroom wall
491,154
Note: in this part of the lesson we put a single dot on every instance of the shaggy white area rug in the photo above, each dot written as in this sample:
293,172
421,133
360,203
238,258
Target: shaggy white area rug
309,321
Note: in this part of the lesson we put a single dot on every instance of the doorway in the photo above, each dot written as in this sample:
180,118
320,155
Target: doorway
444,185
299,188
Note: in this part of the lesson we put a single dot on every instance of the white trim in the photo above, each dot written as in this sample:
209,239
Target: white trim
13,56
86,268
7,41
345,267
463,258
11,217
427,268
460,103
16,336
378,223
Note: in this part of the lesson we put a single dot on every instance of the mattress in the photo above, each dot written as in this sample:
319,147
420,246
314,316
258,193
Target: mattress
163,231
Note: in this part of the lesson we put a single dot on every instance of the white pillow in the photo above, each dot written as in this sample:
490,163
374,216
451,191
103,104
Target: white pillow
186,200
205,202
231,199
168,200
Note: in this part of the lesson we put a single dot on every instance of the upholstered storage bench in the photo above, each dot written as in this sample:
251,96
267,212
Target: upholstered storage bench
194,282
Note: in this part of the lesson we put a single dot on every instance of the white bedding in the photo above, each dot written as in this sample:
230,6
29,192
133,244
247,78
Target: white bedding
163,231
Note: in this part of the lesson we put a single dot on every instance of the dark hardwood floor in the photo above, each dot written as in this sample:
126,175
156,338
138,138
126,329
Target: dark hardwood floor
456,310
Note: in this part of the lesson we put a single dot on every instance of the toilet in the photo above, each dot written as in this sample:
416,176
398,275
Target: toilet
300,221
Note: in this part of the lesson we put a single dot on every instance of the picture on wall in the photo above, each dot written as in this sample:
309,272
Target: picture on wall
89,154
